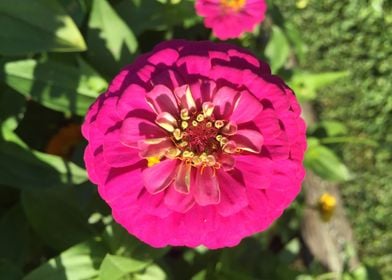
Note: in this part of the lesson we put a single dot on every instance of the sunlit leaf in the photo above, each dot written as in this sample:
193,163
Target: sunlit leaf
27,169
277,50
305,85
79,262
111,42
54,85
324,162
115,267
36,26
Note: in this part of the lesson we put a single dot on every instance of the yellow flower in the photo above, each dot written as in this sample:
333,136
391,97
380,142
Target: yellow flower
327,205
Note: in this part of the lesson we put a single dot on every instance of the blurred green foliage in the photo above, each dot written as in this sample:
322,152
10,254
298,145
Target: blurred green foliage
356,36
57,56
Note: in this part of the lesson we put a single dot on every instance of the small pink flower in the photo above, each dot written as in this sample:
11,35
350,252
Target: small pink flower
230,18
196,143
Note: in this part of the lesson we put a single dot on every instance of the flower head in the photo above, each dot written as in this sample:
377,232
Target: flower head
230,18
196,143
327,206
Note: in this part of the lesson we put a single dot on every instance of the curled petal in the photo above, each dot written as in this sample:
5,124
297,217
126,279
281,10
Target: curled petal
185,97
247,108
248,140
225,100
134,129
183,178
156,147
160,176
166,121
177,201
206,187
233,194
161,99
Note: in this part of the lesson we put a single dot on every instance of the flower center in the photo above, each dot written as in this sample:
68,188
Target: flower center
198,138
235,5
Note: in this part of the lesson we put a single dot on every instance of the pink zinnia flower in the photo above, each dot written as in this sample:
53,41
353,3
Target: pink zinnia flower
196,143
230,18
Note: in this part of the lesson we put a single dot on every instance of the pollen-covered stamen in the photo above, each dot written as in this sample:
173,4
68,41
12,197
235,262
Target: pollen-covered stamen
235,5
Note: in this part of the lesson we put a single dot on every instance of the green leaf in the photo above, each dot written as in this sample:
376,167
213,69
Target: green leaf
9,271
153,15
277,50
324,162
37,26
56,86
111,42
305,85
57,216
116,267
153,272
79,262
120,242
14,236
334,128
12,108
27,169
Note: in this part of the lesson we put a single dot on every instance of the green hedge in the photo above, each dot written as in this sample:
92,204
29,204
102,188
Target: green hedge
356,36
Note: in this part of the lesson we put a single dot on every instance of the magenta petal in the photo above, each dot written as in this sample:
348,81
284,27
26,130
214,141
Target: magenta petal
233,195
183,178
117,154
178,202
160,176
225,100
206,190
248,140
185,97
256,170
161,99
134,129
248,107
156,147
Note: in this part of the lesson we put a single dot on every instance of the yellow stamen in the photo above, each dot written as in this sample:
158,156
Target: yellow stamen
200,118
224,141
183,144
177,134
209,124
172,153
194,123
188,154
184,124
218,124
184,114
219,137
151,161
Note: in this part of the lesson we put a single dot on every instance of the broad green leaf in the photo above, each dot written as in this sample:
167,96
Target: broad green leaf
9,270
37,26
79,262
116,267
12,108
277,50
324,162
120,242
111,42
14,236
56,86
152,272
27,169
334,128
57,216
143,15
305,85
